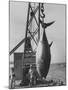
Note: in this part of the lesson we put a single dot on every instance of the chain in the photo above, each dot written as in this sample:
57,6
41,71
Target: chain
42,12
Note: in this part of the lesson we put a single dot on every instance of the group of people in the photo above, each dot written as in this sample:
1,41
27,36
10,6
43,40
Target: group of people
32,76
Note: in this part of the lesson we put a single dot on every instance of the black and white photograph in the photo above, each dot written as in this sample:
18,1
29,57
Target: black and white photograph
37,44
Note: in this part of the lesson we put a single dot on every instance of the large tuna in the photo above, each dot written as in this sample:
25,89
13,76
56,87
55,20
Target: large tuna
43,55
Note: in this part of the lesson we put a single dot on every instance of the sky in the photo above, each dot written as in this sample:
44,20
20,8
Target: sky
55,33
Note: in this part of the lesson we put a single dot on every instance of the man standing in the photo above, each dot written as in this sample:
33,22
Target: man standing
12,79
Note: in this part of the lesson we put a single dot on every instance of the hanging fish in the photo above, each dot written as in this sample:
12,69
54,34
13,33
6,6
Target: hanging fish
43,55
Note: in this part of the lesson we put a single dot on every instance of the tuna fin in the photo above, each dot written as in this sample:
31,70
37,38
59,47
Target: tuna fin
50,44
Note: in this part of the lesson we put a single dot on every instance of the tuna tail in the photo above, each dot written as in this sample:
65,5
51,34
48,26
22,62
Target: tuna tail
50,44
45,25
48,24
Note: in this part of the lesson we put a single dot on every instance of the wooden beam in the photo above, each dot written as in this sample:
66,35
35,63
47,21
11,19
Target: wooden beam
18,45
